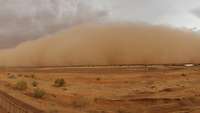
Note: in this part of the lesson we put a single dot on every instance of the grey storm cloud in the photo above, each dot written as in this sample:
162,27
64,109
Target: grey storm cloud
175,13
26,19
196,12
150,10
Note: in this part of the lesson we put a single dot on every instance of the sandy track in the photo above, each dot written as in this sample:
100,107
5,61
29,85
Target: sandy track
12,105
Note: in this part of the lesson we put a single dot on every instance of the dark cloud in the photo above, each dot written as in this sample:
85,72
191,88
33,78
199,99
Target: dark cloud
196,12
26,19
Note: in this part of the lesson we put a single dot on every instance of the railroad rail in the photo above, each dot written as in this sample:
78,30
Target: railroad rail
13,105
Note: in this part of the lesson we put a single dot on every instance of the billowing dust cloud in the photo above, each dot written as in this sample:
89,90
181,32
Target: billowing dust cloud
107,44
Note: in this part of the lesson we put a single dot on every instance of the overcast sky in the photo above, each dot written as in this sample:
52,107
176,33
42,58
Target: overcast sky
24,19
179,13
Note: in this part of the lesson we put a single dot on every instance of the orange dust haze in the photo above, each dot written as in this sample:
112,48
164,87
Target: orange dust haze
107,44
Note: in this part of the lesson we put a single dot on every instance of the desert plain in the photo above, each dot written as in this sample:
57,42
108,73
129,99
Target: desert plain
108,89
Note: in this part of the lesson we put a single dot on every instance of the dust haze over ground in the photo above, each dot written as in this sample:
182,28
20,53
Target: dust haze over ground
107,44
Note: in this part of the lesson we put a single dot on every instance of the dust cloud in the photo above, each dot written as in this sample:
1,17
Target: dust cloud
107,44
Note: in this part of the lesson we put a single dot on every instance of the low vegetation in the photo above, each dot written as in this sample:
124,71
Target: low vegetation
32,76
59,82
34,83
80,102
98,79
19,75
21,85
29,76
38,93
53,110
11,76
97,111
123,111
183,74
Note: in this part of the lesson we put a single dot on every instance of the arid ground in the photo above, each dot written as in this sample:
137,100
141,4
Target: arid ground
119,89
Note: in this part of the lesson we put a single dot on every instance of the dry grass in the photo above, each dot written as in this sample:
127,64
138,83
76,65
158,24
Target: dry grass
38,93
34,83
59,82
21,85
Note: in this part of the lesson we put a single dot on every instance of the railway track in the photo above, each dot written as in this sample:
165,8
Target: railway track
9,104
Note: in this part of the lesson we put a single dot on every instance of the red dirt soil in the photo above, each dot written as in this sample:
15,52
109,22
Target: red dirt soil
123,89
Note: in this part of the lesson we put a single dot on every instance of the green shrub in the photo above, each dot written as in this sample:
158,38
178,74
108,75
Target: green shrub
59,82
34,84
38,93
21,85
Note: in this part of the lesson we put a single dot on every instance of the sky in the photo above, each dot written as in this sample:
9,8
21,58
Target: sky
22,20
178,13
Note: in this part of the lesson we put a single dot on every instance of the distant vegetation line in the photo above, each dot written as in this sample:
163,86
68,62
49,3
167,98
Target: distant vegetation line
181,64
